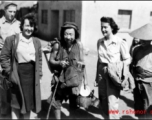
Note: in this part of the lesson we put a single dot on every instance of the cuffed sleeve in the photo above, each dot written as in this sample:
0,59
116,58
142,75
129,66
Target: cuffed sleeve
124,50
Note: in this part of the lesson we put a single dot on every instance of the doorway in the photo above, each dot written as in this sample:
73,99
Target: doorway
54,23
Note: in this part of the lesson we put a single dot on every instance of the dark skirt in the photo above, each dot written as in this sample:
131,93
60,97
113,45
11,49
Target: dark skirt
26,73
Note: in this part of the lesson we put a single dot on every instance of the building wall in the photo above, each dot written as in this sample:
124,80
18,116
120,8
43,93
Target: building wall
45,30
92,11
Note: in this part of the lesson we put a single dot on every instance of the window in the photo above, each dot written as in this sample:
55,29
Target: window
151,16
69,16
124,18
44,16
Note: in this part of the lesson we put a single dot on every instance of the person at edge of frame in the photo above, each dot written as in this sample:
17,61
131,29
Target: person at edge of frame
9,25
141,68
24,70
111,49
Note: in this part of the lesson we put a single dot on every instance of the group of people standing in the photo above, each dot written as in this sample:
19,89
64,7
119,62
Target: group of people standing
21,62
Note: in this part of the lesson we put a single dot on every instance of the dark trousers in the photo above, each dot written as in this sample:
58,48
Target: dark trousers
4,102
5,107
143,99
108,93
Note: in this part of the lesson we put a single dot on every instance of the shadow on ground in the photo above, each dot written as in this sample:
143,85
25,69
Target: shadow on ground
130,103
127,117
77,114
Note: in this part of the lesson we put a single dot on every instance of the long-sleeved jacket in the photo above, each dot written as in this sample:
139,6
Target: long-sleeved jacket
8,60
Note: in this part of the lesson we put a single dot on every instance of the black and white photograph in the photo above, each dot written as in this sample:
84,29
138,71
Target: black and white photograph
75,59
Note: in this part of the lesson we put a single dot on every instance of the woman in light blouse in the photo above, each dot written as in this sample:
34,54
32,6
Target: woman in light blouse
24,69
111,49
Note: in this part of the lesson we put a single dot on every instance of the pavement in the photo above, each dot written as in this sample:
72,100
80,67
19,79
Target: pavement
126,99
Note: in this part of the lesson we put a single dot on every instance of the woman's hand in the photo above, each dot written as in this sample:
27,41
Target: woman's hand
95,83
64,63
63,85
99,78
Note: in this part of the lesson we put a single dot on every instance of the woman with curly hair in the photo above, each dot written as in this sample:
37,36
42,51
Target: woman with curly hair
21,60
111,49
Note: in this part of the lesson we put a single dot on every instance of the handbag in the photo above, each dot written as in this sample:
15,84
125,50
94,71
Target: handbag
73,76
5,84
86,97
87,101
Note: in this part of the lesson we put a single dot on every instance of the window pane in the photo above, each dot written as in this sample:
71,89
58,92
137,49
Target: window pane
72,16
44,16
69,16
124,18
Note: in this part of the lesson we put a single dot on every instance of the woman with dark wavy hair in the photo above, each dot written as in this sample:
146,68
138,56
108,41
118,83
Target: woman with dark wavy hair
112,24
111,49
21,60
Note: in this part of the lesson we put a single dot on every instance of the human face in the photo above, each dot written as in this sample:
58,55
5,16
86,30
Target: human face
27,28
136,41
69,36
10,12
106,29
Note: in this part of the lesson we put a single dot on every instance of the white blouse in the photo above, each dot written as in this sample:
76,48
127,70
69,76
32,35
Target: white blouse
114,52
25,50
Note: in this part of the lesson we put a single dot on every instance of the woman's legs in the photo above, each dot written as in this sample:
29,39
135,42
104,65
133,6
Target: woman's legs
113,94
27,115
15,113
102,89
57,113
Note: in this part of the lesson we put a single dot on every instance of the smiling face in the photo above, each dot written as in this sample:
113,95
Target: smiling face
10,12
28,29
69,36
106,29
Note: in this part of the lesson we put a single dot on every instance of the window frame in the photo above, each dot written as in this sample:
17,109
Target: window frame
122,12
44,19
70,13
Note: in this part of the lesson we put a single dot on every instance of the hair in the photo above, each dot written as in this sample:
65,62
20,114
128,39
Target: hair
62,34
6,7
31,19
111,22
